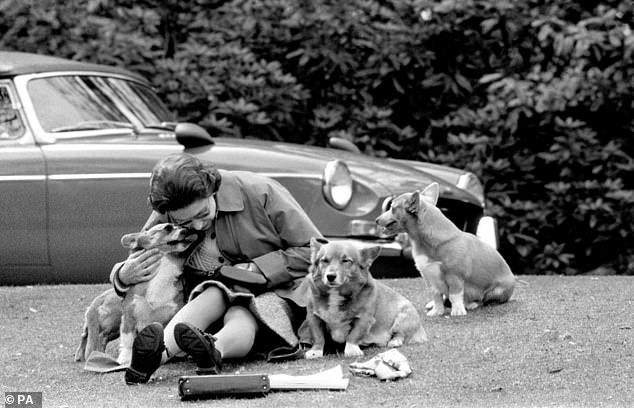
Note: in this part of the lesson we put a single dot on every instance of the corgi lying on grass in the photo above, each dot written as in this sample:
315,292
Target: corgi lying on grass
348,306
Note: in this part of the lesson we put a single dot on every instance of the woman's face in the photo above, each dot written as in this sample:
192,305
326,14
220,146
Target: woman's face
199,215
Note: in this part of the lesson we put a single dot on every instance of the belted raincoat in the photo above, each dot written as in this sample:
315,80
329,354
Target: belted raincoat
258,221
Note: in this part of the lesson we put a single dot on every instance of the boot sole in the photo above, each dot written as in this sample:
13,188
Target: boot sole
192,342
148,347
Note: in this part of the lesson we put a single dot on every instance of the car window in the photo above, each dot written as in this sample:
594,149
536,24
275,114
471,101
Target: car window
81,102
11,126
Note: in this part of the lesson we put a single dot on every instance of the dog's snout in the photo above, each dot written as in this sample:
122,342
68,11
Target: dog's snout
331,277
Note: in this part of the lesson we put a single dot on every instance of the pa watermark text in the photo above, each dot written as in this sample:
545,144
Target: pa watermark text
22,399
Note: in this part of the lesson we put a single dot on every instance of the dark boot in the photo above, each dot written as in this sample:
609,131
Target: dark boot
147,351
200,346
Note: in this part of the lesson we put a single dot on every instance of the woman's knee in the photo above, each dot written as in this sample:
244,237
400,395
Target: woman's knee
240,314
212,296
204,309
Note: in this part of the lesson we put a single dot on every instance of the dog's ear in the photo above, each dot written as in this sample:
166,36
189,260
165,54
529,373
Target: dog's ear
130,240
430,193
315,246
369,254
412,204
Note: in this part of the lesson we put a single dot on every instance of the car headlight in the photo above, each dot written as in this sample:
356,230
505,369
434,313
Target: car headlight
487,231
471,183
337,184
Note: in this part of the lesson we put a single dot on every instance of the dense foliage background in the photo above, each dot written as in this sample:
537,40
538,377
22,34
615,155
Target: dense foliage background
535,97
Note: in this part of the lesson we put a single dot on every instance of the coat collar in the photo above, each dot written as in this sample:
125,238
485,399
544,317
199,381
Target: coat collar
229,197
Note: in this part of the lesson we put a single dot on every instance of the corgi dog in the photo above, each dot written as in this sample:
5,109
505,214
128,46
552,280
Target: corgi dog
458,265
157,300
348,306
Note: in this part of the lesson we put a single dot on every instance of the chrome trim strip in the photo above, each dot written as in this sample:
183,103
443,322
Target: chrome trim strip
22,177
290,175
99,176
98,146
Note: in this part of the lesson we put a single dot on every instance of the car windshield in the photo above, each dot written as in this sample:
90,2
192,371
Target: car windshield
81,102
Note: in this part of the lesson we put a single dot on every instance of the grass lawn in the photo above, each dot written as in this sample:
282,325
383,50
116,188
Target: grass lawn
559,342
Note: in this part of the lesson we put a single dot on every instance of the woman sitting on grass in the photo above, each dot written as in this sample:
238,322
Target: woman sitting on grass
245,220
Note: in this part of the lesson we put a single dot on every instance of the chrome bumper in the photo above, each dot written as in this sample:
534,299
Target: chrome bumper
388,248
487,231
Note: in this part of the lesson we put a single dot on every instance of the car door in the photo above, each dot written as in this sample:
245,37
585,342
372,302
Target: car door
100,135
97,192
24,251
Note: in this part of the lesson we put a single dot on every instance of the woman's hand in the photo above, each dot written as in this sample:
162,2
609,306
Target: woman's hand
140,266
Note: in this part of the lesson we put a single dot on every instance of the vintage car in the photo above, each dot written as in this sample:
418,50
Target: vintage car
78,142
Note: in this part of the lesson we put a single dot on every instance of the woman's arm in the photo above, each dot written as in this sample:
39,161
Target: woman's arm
140,266
295,229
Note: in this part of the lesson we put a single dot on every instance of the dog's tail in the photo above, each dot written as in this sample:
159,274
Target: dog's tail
81,349
90,338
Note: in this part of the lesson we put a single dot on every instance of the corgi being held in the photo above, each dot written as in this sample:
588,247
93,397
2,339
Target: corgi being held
157,300
457,265
350,306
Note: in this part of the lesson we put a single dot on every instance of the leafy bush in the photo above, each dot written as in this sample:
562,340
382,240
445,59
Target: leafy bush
551,146
534,97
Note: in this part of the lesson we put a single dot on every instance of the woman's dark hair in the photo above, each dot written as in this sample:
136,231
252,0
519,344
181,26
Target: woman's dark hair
180,179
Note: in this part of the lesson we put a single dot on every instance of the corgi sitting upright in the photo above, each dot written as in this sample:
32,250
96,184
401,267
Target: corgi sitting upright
157,300
348,306
457,265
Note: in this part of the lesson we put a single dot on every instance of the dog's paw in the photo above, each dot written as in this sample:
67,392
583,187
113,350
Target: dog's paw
312,354
124,358
352,350
395,342
458,311
436,311
124,361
